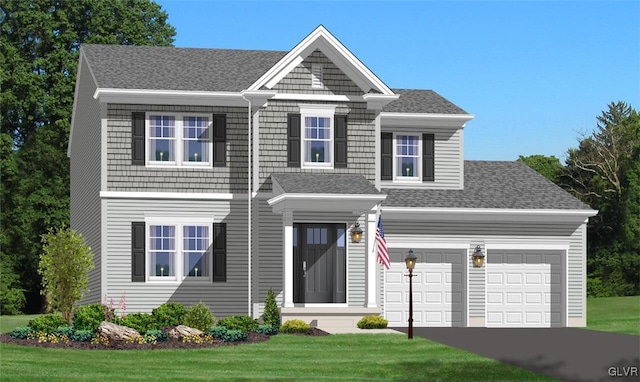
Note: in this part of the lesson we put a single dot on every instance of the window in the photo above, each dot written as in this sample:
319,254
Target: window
181,249
407,157
179,140
317,140
317,135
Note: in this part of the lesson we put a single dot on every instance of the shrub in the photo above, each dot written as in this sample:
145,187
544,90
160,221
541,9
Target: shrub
47,323
216,331
372,322
243,323
234,336
169,314
159,335
267,329
22,332
82,335
271,315
142,322
199,316
88,317
64,331
295,326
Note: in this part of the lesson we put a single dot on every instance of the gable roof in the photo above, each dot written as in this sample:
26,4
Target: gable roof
168,68
421,101
488,184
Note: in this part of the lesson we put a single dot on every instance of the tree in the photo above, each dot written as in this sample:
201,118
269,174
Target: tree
604,173
39,43
549,167
64,265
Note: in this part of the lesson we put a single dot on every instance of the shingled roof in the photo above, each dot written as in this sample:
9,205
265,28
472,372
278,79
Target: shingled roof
325,184
505,185
167,68
225,70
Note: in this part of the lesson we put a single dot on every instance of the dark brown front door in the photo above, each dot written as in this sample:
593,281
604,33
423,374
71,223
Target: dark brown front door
319,263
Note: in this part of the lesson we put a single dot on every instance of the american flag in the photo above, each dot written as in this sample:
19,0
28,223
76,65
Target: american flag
381,244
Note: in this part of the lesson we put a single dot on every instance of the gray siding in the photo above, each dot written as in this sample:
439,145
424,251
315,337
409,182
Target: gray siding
334,80
122,176
85,175
224,298
477,233
273,140
449,168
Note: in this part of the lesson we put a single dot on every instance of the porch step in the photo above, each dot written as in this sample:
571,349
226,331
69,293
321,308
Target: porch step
332,319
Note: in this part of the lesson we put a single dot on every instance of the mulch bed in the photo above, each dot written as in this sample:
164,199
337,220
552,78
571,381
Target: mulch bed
169,344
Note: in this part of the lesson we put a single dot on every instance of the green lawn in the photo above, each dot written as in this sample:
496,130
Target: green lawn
8,323
614,314
336,357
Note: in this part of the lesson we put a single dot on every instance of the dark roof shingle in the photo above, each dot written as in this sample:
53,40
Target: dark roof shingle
167,68
421,101
325,184
487,184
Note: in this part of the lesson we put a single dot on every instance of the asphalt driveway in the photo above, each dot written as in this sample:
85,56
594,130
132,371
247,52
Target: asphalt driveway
569,354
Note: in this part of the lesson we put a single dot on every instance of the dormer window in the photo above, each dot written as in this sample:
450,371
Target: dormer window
316,76
407,158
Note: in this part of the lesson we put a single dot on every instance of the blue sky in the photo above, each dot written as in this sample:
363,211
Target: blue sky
535,74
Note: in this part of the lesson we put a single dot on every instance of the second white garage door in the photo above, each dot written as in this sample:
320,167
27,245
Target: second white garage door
524,288
437,288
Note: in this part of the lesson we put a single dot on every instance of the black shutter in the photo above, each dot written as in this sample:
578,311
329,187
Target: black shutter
137,251
386,157
137,138
340,142
428,157
219,252
293,140
219,140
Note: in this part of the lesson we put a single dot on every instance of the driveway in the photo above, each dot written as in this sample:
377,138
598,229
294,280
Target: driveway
569,354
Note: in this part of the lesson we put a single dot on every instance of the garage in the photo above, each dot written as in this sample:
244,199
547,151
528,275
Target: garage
438,288
525,288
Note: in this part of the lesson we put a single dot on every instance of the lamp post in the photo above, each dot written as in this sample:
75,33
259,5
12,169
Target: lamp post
410,261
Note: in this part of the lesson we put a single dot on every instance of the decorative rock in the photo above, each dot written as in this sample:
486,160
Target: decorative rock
116,332
182,331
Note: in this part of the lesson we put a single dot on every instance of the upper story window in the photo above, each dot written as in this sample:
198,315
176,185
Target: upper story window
179,139
316,76
407,157
317,136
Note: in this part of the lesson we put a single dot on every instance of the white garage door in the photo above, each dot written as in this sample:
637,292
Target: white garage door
437,288
524,289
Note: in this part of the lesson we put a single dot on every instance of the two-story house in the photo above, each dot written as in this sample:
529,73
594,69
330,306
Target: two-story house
214,175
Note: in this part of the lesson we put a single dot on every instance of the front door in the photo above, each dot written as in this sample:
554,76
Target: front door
319,263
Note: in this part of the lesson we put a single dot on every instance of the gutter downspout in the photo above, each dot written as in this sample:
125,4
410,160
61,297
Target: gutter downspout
249,201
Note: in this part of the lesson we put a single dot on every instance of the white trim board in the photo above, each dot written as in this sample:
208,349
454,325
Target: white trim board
171,195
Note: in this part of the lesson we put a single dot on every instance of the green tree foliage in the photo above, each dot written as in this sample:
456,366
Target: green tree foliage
64,266
271,315
39,42
549,167
604,171
11,295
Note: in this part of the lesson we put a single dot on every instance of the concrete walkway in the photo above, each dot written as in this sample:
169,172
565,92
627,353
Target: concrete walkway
358,331
569,354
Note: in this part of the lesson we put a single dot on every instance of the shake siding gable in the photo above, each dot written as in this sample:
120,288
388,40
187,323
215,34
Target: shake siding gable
85,161
123,176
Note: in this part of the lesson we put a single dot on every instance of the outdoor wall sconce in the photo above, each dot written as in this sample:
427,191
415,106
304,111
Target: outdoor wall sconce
356,233
478,257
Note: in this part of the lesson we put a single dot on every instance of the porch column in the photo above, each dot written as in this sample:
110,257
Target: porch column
371,259
287,225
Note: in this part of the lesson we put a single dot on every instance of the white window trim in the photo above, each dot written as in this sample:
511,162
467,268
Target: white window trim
403,179
178,141
178,223
322,111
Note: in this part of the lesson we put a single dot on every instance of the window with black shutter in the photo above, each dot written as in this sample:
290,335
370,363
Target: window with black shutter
293,140
219,252
386,156
340,141
137,138
138,252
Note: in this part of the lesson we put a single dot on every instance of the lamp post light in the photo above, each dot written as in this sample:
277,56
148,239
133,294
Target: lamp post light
410,261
